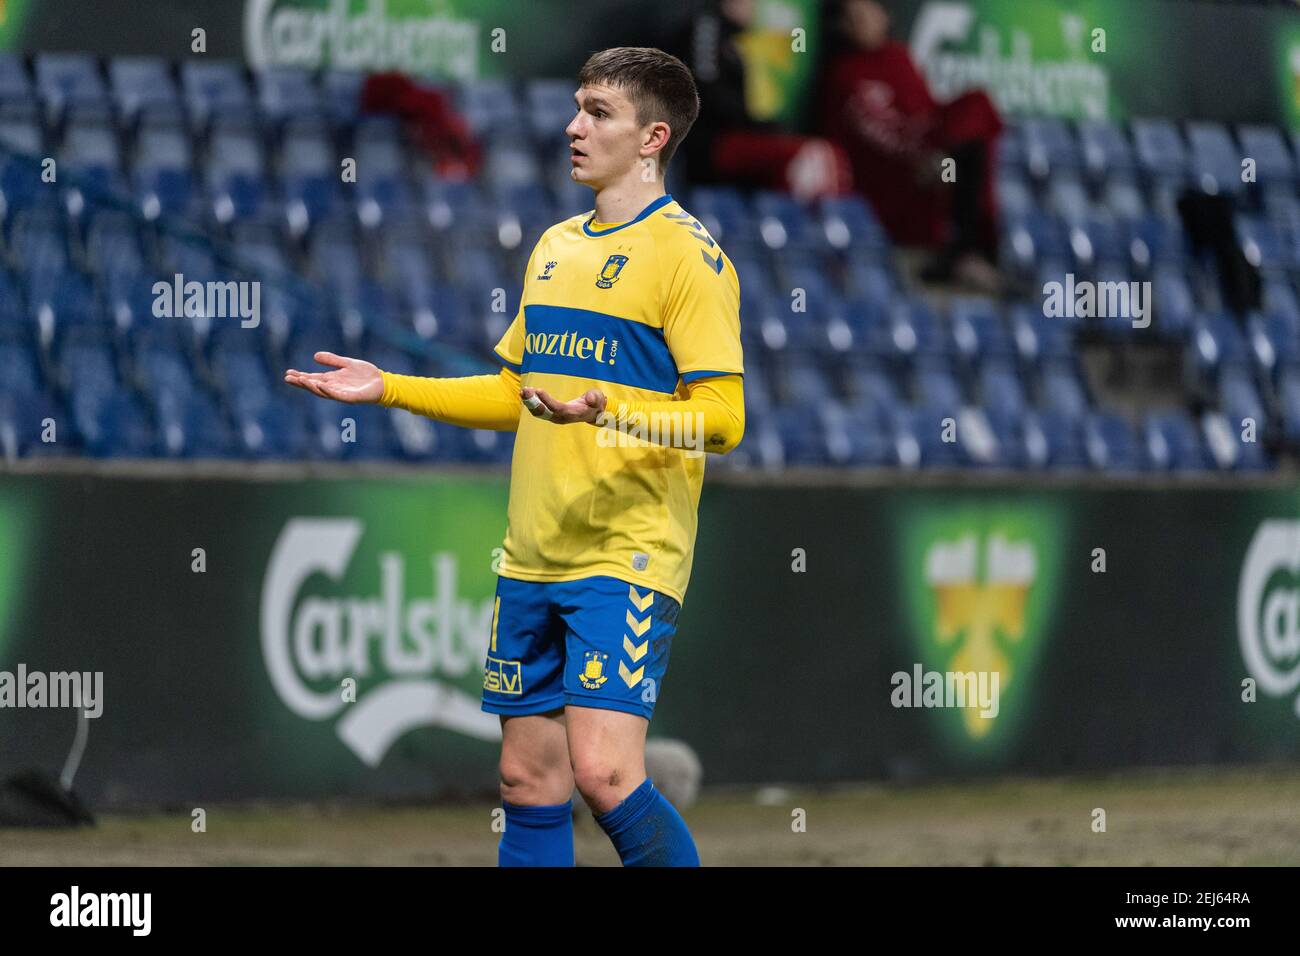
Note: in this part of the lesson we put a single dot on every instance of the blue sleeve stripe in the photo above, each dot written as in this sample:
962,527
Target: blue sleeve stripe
692,376
513,366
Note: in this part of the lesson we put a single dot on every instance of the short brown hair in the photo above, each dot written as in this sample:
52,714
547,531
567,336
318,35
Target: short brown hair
659,85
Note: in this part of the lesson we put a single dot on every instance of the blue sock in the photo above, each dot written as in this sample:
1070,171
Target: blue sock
648,831
537,836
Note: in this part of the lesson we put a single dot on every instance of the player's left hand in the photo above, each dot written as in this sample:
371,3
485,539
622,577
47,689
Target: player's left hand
584,408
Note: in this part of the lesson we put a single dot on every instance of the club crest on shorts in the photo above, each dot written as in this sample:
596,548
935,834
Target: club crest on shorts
593,670
609,273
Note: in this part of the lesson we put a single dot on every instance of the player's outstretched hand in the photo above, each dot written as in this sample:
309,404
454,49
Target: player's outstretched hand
584,408
354,381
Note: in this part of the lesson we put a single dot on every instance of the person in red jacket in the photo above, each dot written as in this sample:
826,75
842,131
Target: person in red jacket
874,101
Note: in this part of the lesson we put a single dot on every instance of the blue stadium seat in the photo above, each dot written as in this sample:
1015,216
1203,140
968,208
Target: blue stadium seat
783,222
15,83
37,240
1000,387
551,107
1055,441
1067,197
1016,198
1215,343
143,87
1158,242
492,109
1264,245
1122,195
288,93
90,153
1227,445
22,428
1101,238
847,222
1106,149
21,130
309,177
1239,399
1215,158
1049,147
978,330
1062,388
212,89
341,91
368,436
20,373
1274,163
1112,444
1159,147
723,212
919,437
1173,443
66,80
936,386
237,180
163,179
1174,306
1039,338
191,425
274,432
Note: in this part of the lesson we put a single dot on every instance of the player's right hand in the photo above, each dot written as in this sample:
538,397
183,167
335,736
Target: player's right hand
354,381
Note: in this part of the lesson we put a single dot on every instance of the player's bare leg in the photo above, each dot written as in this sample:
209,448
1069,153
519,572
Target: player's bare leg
536,791
534,764
607,748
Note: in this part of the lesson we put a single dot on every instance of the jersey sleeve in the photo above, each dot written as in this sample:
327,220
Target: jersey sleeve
702,314
510,350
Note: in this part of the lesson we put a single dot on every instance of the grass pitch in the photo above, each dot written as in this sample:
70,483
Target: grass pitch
1212,817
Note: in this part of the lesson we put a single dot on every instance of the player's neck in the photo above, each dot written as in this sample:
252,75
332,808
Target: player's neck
620,202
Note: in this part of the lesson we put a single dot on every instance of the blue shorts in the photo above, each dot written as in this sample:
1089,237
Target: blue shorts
595,642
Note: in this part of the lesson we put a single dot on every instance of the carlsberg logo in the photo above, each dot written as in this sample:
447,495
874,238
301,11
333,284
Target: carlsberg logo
1268,608
312,644
364,35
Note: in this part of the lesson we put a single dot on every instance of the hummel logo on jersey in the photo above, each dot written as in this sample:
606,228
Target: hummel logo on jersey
546,273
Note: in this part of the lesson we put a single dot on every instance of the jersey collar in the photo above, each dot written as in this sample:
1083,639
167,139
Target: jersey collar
659,203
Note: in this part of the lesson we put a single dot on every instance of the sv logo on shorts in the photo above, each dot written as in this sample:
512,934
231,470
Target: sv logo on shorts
504,677
593,667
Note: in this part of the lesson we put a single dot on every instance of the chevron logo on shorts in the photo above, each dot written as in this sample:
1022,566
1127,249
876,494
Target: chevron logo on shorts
635,652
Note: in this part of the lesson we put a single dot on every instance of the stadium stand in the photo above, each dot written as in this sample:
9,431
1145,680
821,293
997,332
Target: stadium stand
205,171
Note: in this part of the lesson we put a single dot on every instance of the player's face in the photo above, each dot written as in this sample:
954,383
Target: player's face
604,137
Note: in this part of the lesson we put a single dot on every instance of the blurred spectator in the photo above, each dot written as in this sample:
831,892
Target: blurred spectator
874,101
729,146
429,115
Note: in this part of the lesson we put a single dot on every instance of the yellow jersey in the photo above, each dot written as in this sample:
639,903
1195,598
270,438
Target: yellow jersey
636,310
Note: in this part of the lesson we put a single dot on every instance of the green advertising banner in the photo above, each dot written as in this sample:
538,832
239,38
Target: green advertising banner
1074,58
13,16
1117,59
304,638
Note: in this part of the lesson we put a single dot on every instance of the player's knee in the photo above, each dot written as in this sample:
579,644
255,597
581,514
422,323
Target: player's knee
601,782
528,782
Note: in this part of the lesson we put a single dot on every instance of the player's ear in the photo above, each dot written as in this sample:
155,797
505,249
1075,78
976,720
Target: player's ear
656,138
660,133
